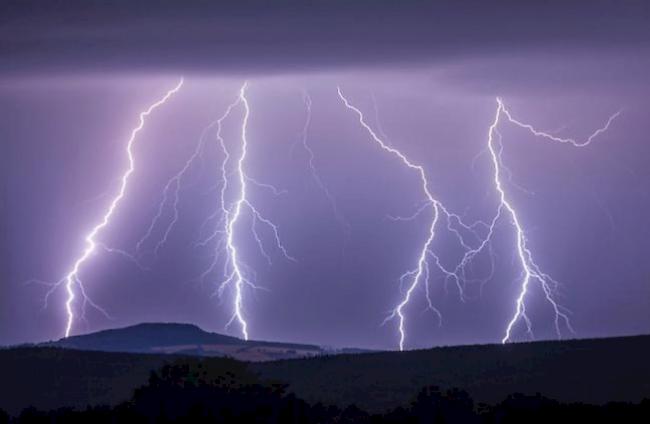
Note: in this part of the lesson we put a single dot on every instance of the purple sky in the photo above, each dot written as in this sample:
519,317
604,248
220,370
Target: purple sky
72,93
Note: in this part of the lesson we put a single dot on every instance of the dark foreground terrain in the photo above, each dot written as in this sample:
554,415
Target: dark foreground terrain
572,373
593,371
191,390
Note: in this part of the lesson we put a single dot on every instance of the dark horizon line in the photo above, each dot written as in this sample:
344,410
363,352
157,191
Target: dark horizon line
369,350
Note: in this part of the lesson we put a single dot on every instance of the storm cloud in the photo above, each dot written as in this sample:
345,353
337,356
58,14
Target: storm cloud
258,36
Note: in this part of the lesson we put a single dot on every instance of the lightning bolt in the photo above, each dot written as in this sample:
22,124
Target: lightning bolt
421,272
72,278
236,273
530,269
311,157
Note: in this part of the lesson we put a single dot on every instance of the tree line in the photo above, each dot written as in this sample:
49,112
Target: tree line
228,392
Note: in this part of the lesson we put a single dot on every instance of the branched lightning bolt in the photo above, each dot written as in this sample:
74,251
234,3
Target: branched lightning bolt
422,272
530,269
236,273
72,279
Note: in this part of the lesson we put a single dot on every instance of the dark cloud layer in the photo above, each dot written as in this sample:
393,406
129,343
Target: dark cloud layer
258,36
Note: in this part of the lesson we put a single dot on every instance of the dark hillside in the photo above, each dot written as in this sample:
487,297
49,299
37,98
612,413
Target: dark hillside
592,371
49,378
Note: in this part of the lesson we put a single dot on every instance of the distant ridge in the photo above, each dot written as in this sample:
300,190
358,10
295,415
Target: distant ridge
142,337
186,339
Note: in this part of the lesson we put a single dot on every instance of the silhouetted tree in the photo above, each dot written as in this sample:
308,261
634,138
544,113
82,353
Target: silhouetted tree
227,392
223,392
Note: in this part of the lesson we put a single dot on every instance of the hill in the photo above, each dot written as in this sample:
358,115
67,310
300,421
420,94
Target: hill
592,371
184,339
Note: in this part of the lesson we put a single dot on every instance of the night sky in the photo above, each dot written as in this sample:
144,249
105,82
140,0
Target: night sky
74,77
